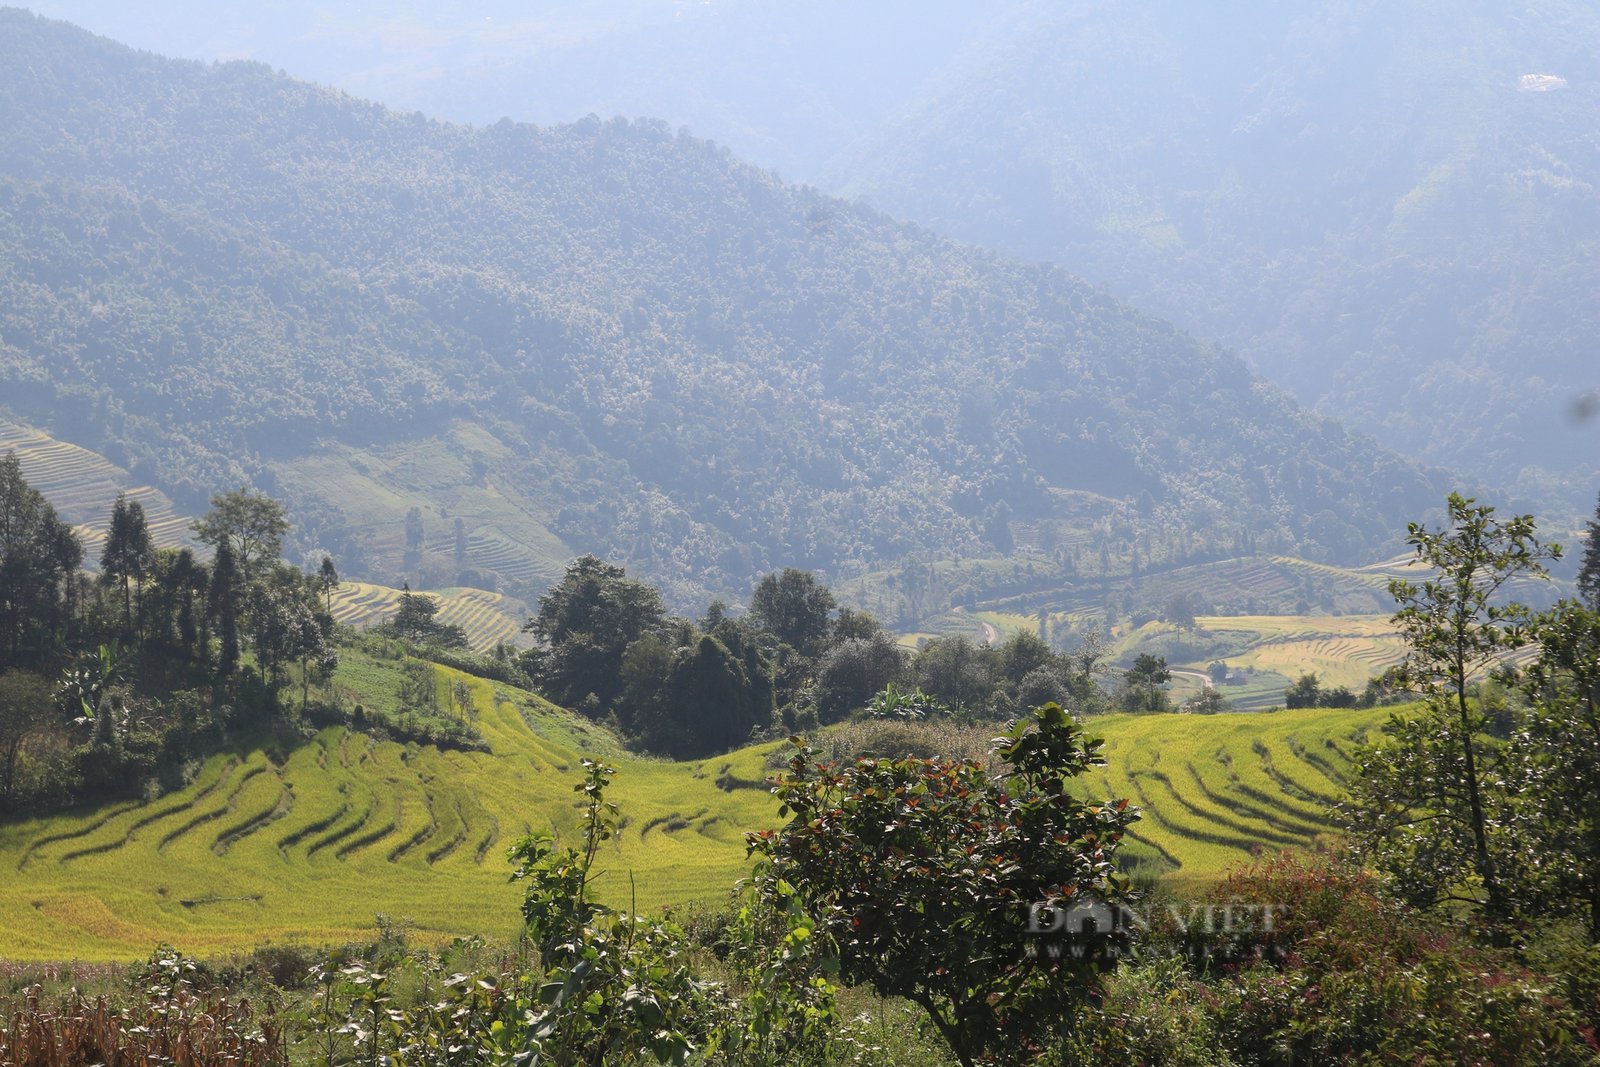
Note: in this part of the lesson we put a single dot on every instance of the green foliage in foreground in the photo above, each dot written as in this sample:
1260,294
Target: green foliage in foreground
921,875
1342,975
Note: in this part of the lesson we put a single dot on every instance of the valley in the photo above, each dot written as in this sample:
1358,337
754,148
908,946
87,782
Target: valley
556,592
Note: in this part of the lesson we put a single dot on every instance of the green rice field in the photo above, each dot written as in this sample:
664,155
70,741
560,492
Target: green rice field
1216,791
309,843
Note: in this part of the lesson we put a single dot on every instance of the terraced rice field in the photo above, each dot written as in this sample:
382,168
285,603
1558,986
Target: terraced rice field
308,844
488,618
1217,790
83,485
1340,649
463,473
505,551
1243,584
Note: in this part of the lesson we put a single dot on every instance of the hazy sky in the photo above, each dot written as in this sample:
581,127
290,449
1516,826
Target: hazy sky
784,85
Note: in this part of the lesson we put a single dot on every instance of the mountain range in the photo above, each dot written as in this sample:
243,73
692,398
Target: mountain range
606,337
1389,210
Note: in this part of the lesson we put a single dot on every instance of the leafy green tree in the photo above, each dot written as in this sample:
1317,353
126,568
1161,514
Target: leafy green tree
1561,746
744,643
586,621
39,557
179,579
1179,611
1021,654
923,875
1305,693
25,708
253,526
645,666
706,703
414,614
1340,696
956,671
1142,684
128,555
794,607
1429,805
222,607
1049,684
309,644
849,623
1589,568
852,671
461,695
327,581
1209,701
416,619
273,631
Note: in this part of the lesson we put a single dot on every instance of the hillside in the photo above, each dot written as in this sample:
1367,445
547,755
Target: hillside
782,85
599,337
1389,209
79,484
308,840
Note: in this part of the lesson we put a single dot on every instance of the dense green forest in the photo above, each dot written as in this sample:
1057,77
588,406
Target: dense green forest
219,276
1386,210
1389,209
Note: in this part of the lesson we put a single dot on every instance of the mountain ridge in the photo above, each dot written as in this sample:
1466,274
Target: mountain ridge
682,363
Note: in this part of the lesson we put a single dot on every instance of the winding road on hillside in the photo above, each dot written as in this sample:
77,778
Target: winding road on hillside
991,635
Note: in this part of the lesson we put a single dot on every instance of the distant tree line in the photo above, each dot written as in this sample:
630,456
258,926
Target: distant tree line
794,659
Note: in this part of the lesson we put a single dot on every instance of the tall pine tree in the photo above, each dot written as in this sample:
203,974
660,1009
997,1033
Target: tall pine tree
128,556
39,555
1589,569
223,607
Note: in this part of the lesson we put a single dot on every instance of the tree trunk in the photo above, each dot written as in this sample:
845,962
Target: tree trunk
1494,902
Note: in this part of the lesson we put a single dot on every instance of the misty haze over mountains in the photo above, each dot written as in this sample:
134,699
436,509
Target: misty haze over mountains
626,342
1388,210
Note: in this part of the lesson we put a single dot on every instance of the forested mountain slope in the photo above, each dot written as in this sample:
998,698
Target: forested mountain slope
1387,209
620,339
1391,209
